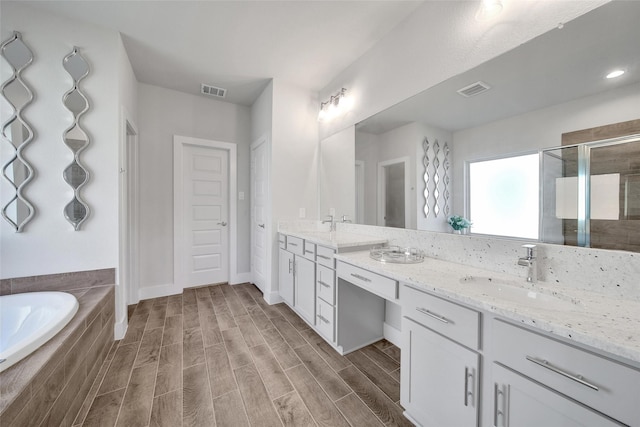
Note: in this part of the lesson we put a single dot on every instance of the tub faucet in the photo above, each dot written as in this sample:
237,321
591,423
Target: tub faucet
331,221
529,262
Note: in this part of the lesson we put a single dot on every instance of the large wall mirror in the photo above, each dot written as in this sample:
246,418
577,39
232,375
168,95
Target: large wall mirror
547,87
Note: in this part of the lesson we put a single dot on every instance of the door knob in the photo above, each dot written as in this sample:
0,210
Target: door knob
223,223
261,225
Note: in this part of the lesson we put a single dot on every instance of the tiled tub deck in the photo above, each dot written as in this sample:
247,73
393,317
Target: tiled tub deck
49,386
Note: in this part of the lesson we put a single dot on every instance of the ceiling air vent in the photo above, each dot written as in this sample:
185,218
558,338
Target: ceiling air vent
212,91
474,89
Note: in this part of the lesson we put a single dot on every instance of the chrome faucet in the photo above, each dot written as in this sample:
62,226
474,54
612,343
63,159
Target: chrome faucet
529,262
330,219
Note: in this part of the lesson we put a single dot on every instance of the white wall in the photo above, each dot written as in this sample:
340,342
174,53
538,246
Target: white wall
294,159
411,59
539,129
49,243
262,114
336,175
163,113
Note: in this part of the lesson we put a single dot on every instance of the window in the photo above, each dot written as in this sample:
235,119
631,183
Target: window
504,196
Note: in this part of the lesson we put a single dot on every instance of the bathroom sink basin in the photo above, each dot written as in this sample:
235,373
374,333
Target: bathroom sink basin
511,291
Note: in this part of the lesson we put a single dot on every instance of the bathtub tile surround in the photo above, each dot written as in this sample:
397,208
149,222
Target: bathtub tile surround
49,386
59,282
225,357
609,272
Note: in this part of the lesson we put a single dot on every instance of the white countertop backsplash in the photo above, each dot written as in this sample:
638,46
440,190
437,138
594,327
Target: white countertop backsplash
609,272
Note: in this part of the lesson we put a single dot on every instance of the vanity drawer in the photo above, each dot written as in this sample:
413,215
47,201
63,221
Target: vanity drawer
282,241
325,284
295,245
372,282
458,323
310,251
325,315
324,256
603,384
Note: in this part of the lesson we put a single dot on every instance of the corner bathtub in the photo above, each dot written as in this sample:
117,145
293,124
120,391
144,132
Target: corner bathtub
29,320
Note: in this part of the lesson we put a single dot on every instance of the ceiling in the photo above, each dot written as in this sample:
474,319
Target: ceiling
240,45
556,67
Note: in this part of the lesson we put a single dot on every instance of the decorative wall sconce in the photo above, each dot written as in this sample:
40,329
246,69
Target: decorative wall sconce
18,211
337,104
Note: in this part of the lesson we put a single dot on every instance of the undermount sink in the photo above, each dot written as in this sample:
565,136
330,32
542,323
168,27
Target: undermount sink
510,291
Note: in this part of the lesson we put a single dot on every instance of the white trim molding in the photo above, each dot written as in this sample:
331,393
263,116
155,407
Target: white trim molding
178,143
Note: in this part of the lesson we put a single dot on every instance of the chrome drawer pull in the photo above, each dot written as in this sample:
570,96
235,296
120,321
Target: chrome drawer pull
323,257
323,284
466,386
430,314
550,367
308,252
496,412
364,279
293,244
322,318
467,393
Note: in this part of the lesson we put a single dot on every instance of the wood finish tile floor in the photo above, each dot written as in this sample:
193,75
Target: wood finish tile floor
220,356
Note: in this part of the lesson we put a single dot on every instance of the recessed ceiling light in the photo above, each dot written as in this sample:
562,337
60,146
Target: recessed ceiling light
615,73
488,9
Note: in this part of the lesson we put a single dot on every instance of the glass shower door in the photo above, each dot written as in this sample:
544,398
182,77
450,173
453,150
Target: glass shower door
591,194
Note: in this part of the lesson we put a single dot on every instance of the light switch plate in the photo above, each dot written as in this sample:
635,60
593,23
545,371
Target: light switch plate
241,195
303,213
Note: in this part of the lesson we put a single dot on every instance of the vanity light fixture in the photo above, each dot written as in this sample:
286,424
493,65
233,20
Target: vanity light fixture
615,73
337,104
488,9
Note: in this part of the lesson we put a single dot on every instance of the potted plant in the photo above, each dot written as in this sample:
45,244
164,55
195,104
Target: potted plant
459,223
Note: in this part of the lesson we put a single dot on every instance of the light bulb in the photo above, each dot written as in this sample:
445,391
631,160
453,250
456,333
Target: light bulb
488,9
615,73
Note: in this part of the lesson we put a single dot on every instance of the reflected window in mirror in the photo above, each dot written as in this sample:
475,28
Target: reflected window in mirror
503,196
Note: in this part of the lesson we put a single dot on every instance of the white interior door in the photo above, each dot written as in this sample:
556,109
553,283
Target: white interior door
205,206
259,203
393,193
360,185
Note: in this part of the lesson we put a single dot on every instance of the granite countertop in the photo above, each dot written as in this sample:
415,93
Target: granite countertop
335,239
605,323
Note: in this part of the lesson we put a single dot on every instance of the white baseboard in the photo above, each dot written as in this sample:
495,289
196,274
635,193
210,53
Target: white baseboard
241,278
149,292
273,298
393,335
120,328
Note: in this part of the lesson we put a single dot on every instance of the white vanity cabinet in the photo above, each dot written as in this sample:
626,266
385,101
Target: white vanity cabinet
304,284
297,275
535,371
522,402
285,271
440,376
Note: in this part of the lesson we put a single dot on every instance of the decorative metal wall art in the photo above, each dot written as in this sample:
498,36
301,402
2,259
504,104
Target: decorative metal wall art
18,211
446,165
436,178
436,164
76,175
425,176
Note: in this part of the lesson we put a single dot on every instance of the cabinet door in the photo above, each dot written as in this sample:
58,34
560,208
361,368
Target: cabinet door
305,288
520,402
440,379
285,272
